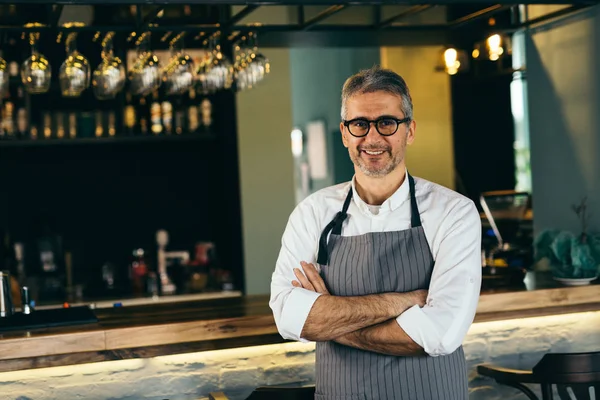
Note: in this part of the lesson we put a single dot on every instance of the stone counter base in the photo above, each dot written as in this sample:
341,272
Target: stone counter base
517,343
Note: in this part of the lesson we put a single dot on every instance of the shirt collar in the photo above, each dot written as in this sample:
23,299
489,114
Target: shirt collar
390,204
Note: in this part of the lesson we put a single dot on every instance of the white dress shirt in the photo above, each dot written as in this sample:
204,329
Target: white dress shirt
452,226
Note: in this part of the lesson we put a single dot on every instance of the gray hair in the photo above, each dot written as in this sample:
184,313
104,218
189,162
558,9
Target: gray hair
377,79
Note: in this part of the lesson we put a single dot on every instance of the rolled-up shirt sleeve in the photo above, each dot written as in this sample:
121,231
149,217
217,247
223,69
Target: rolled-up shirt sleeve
292,305
441,325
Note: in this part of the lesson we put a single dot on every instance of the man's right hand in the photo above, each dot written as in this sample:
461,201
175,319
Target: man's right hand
309,278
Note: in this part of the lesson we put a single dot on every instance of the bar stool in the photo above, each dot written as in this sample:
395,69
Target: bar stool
576,376
274,393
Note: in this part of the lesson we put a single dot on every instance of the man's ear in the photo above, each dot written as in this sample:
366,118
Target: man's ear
412,129
344,137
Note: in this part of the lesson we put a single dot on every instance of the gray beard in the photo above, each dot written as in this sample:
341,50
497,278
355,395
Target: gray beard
392,164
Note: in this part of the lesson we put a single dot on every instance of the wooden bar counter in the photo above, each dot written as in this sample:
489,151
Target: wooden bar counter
175,328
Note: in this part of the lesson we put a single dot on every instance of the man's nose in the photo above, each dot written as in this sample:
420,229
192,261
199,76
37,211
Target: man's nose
373,135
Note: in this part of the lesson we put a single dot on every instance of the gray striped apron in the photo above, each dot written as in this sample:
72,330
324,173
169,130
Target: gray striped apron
378,262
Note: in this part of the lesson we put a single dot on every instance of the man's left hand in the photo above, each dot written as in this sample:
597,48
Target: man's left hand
309,279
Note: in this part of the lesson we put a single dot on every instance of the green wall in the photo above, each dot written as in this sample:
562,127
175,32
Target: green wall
266,169
563,60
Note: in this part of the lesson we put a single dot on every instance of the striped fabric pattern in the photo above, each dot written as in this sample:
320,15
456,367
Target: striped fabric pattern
374,263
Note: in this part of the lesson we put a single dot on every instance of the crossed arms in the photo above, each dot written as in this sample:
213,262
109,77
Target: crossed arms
389,323
364,322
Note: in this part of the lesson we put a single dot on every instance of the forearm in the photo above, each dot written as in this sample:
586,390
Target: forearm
385,338
334,316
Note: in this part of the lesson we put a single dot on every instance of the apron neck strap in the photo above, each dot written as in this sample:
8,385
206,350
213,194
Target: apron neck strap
415,218
335,227
341,216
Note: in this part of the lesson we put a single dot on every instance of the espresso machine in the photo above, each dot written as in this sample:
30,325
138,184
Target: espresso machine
507,242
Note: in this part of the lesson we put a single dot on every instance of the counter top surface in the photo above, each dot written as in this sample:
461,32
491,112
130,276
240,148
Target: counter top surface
170,328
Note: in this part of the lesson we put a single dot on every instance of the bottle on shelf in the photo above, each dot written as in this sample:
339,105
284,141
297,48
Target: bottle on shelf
156,115
8,120
22,123
206,109
112,131
99,131
129,117
72,125
193,120
47,125
21,114
167,117
21,273
138,273
144,116
60,125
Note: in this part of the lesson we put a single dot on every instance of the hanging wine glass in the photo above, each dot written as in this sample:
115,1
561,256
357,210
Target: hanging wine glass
240,67
109,77
221,71
145,75
260,65
74,74
179,74
36,71
202,74
250,66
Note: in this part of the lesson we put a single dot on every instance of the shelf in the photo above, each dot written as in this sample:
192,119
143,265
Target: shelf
204,136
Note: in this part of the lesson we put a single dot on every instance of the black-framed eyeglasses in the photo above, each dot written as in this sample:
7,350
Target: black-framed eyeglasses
386,126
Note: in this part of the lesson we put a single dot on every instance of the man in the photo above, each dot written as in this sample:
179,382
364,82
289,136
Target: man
383,272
